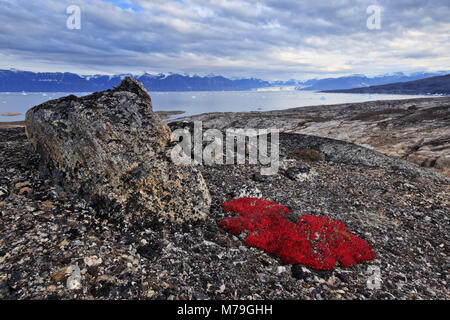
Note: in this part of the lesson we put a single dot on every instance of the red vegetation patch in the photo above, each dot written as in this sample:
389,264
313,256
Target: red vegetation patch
315,241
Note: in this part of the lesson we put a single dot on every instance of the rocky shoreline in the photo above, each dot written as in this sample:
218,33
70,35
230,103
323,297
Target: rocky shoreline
55,245
417,130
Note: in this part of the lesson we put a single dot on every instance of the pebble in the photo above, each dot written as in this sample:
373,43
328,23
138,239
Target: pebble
246,191
3,192
300,173
74,280
92,261
25,190
52,288
300,272
60,274
63,243
281,269
258,177
20,185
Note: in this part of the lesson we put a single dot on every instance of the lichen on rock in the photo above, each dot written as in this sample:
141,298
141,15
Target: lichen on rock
111,148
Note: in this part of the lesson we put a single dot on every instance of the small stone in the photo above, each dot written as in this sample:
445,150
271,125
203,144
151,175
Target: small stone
417,214
300,272
74,280
63,243
320,280
300,173
246,191
20,185
48,204
106,278
409,186
222,288
150,293
3,192
5,257
25,190
92,261
14,279
151,250
261,178
52,288
59,275
323,274
199,295
281,269
331,281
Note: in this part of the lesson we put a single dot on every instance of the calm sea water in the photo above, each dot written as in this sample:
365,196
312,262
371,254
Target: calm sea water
201,102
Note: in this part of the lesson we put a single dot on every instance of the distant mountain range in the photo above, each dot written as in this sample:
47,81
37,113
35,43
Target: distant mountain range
17,81
361,81
433,85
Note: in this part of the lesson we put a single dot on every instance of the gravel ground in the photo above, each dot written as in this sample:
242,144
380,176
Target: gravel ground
52,245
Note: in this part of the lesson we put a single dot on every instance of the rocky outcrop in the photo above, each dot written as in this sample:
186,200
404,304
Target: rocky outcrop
111,148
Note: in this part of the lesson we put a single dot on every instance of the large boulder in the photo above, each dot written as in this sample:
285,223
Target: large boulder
112,149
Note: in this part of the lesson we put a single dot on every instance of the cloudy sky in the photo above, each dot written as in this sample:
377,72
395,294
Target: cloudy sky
269,39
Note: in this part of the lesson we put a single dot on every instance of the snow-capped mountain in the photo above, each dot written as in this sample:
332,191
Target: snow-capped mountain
18,81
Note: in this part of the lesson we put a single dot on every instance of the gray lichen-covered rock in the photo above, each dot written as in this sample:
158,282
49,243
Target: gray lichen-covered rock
111,148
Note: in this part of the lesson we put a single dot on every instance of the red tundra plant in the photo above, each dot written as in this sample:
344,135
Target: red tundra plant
315,241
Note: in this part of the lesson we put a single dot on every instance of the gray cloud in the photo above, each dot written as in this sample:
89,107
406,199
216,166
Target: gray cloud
273,39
